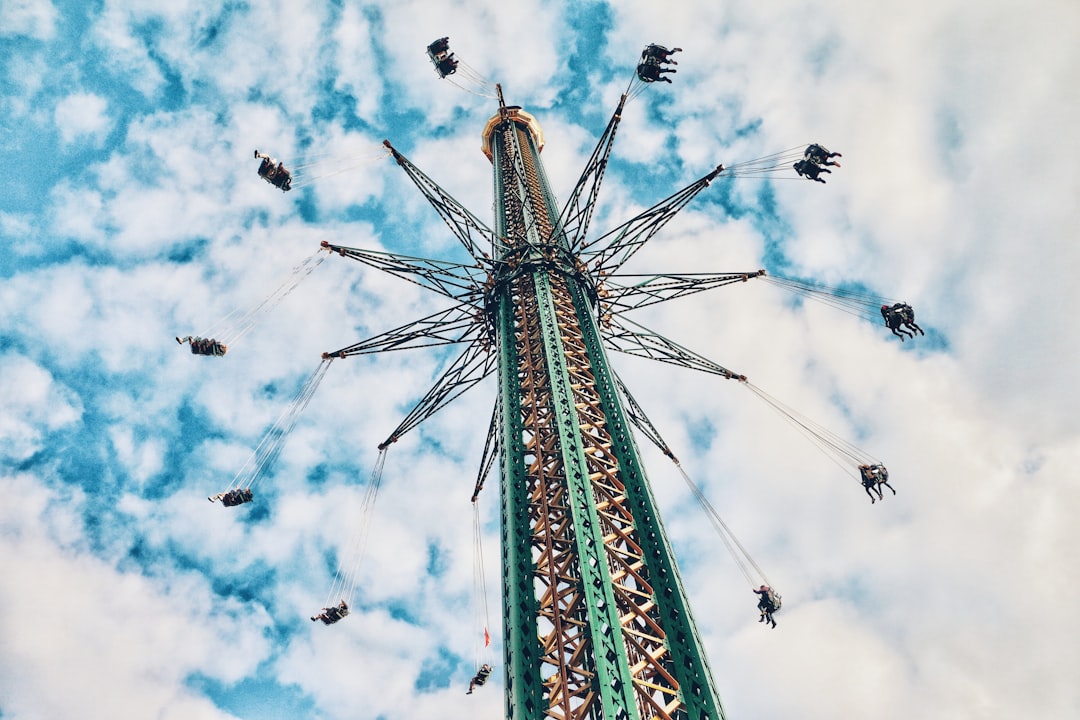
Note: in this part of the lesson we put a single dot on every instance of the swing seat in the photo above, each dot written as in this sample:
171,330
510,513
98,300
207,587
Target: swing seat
208,346
331,615
237,497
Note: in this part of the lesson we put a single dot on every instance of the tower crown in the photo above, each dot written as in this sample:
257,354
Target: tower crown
517,115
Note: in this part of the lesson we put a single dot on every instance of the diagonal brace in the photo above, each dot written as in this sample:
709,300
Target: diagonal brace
617,246
648,344
474,364
631,291
491,451
576,215
455,280
460,221
462,323
640,420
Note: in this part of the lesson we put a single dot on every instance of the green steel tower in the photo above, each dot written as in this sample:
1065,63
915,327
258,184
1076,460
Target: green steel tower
596,622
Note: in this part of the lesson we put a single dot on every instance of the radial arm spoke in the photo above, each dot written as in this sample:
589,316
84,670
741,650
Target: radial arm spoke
630,291
455,280
645,343
491,451
576,215
460,221
461,323
470,367
617,246
640,420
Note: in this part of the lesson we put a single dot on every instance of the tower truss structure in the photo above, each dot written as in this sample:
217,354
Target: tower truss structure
596,621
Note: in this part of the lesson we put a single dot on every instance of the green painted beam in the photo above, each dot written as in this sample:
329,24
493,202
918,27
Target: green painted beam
613,680
689,661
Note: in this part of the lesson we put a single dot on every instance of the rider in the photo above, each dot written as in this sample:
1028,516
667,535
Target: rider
907,316
444,60
331,615
480,678
809,170
273,171
818,154
269,163
873,477
652,72
893,320
766,605
660,53
234,497
866,472
204,346
447,66
439,47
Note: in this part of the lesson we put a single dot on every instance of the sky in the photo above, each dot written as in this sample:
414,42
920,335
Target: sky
133,214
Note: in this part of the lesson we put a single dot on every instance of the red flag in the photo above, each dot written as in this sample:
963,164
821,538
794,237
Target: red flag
487,638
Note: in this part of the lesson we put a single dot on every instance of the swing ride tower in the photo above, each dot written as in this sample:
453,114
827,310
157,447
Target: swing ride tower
596,622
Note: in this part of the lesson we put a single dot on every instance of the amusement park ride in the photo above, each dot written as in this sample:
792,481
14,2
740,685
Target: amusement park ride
596,623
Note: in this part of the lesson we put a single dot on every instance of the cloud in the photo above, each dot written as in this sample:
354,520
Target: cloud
104,629
357,65
30,18
34,406
82,116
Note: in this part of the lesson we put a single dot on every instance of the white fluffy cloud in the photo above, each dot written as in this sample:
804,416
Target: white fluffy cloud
82,116
76,629
32,18
34,405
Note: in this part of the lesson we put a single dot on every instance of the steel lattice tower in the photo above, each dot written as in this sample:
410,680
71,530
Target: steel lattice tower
596,622
595,618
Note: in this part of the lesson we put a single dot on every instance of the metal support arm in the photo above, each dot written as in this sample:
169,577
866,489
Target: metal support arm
628,238
461,323
455,280
491,452
576,215
641,421
631,291
648,344
470,367
460,221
